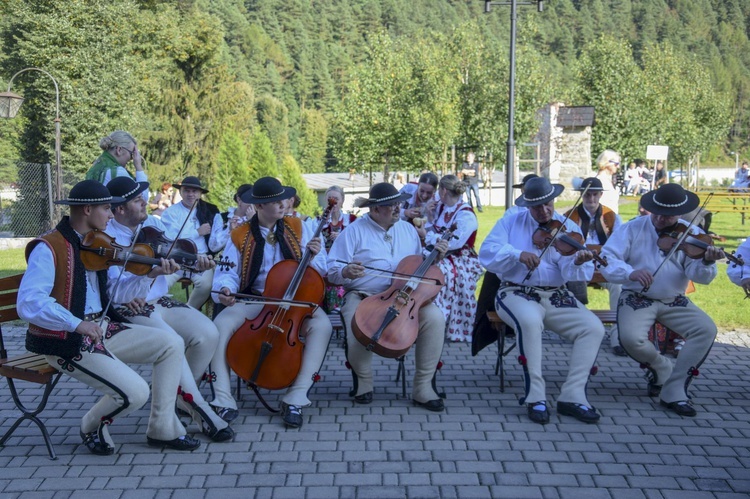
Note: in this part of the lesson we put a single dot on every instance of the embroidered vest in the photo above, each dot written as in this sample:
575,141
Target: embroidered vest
606,221
243,240
69,291
464,207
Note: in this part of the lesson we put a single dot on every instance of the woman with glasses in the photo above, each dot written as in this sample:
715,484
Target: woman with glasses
608,164
119,149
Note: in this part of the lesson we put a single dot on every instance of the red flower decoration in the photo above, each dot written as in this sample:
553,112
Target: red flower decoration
440,365
316,377
693,371
107,421
594,370
348,365
522,360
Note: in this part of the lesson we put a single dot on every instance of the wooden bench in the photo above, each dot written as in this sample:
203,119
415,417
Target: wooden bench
29,367
726,200
605,316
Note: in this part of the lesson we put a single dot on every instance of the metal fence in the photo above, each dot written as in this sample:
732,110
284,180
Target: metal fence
27,206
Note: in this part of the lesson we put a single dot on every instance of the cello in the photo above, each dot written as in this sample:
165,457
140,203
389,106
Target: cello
266,351
387,323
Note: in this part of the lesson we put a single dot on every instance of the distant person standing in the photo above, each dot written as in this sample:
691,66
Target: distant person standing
742,176
119,149
660,174
471,173
608,164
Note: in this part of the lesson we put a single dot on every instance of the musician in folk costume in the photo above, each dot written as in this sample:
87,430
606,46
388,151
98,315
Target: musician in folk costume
153,307
532,297
461,266
380,240
197,228
634,257
63,303
597,222
255,247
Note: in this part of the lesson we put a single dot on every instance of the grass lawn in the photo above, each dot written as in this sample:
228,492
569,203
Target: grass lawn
721,299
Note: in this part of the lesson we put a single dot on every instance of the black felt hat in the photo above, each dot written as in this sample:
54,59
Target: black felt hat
89,192
538,191
670,200
126,188
525,179
192,182
380,194
593,183
267,190
241,190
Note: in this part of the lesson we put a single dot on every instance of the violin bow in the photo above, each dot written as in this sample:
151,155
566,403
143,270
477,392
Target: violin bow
117,283
679,241
266,299
561,229
396,275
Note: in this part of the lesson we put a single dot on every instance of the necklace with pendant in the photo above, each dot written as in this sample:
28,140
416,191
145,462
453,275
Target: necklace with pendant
271,238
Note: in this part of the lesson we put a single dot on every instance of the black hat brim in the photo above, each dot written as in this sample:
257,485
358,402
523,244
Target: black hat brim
191,186
648,204
557,190
286,193
366,203
112,200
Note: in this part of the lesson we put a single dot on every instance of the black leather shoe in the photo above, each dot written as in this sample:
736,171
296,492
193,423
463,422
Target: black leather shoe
216,434
537,415
681,408
226,413
185,442
95,445
365,398
653,390
619,351
292,415
436,405
579,411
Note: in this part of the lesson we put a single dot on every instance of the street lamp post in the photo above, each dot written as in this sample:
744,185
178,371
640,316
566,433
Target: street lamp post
511,144
736,160
10,104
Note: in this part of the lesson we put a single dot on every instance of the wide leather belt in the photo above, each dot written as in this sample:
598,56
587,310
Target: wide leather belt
92,317
508,284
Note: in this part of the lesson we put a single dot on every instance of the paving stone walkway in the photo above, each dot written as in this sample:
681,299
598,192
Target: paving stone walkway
481,446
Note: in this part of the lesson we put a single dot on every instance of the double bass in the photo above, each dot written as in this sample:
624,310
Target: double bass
266,351
387,323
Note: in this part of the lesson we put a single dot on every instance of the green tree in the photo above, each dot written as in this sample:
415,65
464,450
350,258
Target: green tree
291,175
312,141
262,159
233,170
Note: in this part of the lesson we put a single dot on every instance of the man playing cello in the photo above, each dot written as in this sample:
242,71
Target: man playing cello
256,246
380,240
633,257
532,297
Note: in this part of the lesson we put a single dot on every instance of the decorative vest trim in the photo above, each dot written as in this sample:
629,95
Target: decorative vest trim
243,240
472,238
607,221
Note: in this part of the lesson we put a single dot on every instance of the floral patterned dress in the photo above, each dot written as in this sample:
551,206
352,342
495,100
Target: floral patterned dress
461,268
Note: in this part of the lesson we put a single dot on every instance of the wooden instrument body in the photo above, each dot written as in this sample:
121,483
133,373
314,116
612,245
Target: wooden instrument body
400,303
269,343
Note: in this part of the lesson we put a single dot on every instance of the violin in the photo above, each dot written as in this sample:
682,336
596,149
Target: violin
99,251
694,245
266,351
387,323
566,243
182,251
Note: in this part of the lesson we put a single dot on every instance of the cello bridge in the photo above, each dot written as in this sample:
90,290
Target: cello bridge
275,328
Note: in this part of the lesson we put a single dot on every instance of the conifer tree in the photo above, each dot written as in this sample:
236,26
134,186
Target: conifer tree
262,159
292,176
233,170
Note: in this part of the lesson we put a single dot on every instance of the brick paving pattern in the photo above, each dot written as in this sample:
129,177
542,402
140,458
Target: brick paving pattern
482,446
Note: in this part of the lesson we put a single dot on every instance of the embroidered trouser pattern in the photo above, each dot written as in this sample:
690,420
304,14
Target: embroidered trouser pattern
124,390
428,349
636,315
200,337
316,332
529,311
